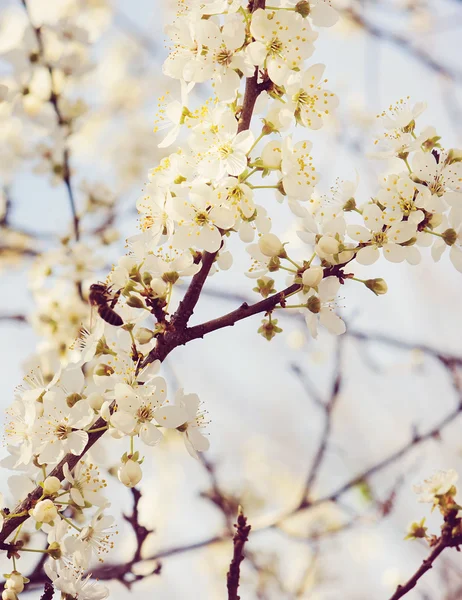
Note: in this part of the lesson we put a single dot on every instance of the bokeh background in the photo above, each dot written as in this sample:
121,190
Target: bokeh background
397,365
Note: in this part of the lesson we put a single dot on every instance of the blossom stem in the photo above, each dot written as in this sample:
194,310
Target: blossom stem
260,137
312,258
17,534
291,294
407,165
40,551
249,174
264,187
97,429
69,522
13,515
292,306
293,262
287,269
432,232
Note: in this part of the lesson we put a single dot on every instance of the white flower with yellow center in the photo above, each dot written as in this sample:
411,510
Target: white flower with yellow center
320,304
283,40
199,217
439,484
185,416
299,175
380,233
308,100
60,429
85,484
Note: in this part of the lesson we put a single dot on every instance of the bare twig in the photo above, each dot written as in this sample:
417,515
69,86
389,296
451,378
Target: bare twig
240,538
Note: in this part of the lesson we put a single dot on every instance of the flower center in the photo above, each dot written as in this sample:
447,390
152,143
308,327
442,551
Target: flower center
201,218
275,47
302,98
224,57
62,431
379,238
407,206
145,413
225,151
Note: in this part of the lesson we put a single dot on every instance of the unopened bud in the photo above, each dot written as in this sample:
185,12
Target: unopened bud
147,278
312,276
328,245
378,286
170,277
314,304
51,485
15,582
130,473
303,8
144,335
270,245
54,550
135,302
44,511
449,236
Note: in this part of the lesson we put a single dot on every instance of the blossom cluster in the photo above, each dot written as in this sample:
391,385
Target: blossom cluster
200,202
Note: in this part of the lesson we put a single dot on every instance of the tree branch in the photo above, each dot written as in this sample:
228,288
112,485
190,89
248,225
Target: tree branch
240,538
186,307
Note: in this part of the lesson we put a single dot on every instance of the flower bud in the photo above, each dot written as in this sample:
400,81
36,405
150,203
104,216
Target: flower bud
146,278
449,236
130,473
44,512
378,286
271,155
54,550
15,582
9,595
170,277
51,485
144,335
314,304
135,302
312,276
303,8
270,245
328,245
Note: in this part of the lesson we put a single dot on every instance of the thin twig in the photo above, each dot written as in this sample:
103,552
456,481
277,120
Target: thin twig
240,538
